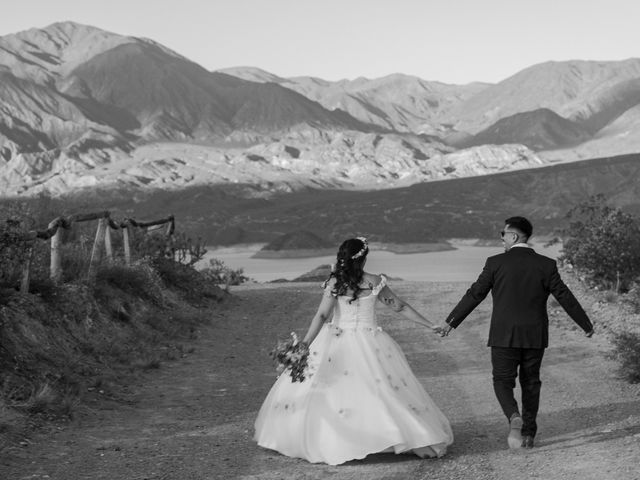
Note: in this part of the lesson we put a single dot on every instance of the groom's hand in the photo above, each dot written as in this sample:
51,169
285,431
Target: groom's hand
589,334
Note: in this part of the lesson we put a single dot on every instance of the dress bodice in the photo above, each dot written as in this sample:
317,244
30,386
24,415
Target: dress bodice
357,313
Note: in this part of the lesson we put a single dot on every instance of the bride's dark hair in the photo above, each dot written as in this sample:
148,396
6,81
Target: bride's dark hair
349,267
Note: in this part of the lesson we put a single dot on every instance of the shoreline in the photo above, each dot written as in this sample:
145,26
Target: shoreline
297,253
392,247
397,248
407,248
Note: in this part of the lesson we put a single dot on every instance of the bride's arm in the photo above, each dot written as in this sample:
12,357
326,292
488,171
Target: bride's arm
397,304
321,316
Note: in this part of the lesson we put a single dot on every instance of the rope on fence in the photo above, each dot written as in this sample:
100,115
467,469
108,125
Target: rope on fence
103,237
67,222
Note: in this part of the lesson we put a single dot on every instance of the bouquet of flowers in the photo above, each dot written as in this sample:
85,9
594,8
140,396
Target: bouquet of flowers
292,355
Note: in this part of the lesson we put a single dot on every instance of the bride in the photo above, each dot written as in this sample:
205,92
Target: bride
360,395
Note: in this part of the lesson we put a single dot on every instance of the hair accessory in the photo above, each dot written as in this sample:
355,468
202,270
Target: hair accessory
363,250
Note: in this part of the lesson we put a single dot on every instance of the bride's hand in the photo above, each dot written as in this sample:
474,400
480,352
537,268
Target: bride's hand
437,329
442,330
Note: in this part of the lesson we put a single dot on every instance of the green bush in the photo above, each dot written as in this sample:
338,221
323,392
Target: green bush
178,247
632,297
604,243
14,244
220,274
190,282
627,352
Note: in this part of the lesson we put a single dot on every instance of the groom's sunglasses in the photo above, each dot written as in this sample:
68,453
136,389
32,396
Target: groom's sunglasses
503,232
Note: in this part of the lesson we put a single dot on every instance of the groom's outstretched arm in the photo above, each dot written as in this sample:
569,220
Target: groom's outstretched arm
476,294
568,301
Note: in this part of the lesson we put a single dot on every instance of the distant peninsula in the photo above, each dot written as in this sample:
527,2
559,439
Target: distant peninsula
297,244
305,244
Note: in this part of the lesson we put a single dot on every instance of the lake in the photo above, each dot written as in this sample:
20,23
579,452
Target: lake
462,264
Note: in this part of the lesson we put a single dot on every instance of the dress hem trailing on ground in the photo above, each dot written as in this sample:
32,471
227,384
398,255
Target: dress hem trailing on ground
360,397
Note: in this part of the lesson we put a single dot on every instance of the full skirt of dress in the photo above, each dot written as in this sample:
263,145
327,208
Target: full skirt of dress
360,397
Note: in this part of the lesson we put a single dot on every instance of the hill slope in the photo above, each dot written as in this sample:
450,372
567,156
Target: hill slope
590,92
540,129
64,80
463,208
399,102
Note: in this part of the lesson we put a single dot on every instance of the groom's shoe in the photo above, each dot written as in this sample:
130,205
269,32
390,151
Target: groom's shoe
515,435
527,441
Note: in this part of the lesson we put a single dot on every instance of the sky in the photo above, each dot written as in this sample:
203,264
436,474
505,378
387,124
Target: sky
451,41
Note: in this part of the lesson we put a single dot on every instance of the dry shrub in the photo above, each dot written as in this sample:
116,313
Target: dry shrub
627,352
43,399
604,243
220,274
194,286
179,247
15,247
139,279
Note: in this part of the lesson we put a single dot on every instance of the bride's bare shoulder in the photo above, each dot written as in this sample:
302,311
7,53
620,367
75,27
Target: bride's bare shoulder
371,278
329,282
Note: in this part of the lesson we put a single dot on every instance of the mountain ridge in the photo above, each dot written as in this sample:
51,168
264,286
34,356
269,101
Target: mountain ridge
81,107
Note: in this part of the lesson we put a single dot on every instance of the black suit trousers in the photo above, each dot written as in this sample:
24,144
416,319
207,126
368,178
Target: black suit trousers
509,363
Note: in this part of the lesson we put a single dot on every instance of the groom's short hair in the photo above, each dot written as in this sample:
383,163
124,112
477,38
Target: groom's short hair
521,224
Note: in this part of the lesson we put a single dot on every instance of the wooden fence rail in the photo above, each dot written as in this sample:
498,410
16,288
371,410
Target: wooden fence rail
102,240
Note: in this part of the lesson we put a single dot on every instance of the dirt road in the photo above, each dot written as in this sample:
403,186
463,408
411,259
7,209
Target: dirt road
192,419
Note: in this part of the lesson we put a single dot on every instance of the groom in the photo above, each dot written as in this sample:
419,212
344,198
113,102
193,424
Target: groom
520,281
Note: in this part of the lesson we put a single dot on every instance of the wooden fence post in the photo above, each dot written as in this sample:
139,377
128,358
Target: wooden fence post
26,271
169,234
102,240
96,252
107,241
126,240
56,260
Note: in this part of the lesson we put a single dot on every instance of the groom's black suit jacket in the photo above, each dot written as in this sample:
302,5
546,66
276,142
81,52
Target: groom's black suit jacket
520,281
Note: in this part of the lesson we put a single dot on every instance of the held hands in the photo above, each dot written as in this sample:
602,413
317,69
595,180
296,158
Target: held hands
437,329
444,329
589,334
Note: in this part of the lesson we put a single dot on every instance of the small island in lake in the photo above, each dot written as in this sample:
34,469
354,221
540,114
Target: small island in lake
297,244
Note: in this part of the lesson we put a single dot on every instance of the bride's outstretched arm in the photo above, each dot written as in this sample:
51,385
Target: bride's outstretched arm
321,316
397,304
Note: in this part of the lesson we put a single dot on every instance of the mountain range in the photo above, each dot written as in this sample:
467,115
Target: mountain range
82,108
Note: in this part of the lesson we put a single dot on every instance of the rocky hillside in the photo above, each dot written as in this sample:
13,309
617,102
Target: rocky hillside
74,95
540,129
140,88
399,102
591,93
349,159
617,138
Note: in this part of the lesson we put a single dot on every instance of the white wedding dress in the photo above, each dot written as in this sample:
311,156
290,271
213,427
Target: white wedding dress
360,396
